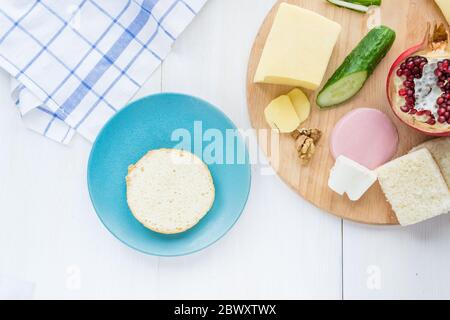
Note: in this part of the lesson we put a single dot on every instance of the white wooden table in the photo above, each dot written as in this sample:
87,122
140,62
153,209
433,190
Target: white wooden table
282,247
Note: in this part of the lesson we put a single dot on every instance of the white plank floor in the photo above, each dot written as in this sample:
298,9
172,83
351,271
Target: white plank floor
281,248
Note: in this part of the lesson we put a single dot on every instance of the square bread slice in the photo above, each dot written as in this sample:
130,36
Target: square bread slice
440,149
415,188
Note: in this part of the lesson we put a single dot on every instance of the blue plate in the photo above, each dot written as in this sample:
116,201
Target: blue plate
149,124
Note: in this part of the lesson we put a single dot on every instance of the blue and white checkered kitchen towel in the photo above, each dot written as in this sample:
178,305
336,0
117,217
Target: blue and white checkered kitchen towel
74,63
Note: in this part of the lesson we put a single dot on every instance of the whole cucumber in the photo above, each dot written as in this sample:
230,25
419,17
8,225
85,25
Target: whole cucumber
350,77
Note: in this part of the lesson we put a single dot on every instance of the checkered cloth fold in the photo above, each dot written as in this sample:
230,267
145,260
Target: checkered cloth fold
74,63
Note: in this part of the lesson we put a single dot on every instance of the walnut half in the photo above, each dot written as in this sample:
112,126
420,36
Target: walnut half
306,140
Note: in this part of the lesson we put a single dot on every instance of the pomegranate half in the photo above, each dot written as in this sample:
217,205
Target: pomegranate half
418,84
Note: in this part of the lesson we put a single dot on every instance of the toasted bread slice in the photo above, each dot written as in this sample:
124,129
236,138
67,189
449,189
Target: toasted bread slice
440,149
415,188
169,191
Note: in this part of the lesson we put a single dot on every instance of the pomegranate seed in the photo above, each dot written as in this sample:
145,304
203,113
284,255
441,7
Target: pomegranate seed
431,122
447,115
409,77
418,76
410,100
424,113
442,119
402,92
409,59
408,84
441,111
412,111
403,66
410,65
405,108
407,72
440,84
438,73
423,64
410,92
440,101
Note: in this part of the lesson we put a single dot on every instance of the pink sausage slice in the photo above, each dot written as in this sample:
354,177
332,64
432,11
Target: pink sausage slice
366,136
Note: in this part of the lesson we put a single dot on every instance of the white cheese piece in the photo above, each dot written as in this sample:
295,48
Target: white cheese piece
348,176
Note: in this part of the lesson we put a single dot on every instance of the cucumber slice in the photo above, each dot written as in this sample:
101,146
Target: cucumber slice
366,3
348,5
356,5
350,77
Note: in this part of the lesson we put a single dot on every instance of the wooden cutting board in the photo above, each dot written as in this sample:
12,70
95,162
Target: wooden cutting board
409,19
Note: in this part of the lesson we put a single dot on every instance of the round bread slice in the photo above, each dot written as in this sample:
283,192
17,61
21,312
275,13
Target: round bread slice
169,191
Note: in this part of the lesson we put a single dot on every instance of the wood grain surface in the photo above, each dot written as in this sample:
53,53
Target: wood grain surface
311,181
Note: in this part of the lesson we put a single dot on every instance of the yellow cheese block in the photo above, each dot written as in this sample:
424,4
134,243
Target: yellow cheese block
445,7
301,104
298,48
281,115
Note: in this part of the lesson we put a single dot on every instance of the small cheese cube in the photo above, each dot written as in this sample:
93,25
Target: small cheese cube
298,48
280,114
351,178
287,112
301,104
